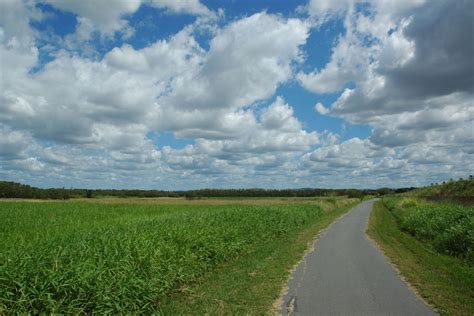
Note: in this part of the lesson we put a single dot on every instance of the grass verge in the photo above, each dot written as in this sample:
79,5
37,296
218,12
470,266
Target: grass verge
445,282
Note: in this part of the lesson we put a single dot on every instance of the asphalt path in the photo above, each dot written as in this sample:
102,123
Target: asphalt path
346,274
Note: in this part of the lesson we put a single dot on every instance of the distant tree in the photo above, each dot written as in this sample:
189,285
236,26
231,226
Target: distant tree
353,193
89,194
384,191
192,195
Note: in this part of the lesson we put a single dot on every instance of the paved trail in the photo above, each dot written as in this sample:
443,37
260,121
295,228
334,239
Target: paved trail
347,275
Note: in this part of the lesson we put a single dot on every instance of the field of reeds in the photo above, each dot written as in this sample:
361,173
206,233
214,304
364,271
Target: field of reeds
83,257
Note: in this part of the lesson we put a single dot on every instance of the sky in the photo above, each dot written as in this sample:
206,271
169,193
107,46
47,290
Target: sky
186,94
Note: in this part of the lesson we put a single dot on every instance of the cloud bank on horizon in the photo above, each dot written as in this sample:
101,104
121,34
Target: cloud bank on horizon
181,94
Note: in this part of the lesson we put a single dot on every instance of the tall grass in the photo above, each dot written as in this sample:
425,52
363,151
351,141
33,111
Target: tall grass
444,281
85,258
449,228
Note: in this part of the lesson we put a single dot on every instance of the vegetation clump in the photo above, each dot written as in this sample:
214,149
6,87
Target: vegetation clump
447,227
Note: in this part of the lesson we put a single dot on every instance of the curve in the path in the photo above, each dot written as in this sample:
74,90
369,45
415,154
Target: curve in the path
347,275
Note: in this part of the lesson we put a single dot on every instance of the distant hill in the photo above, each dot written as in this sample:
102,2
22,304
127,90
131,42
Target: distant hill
458,188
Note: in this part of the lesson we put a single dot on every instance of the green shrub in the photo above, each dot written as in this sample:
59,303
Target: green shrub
449,228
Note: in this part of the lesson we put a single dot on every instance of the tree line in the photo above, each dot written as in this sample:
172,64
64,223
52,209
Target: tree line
10,189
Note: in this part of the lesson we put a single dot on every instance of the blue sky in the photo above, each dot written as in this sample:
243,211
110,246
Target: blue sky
190,94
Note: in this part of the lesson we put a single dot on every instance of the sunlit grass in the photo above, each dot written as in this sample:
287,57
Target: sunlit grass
447,227
76,257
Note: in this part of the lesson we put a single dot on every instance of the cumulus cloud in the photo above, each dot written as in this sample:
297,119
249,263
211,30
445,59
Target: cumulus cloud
87,97
272,139
373,165
425,66
99,15
108,19
246,62
324,10
108,106
13,144
414,78
182,6
319,107
91,119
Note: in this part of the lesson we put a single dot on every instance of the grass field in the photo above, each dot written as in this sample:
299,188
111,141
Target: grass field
417,236
84,257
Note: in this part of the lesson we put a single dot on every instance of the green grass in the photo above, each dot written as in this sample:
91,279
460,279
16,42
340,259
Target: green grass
252,283
447,227
458,188
76,257
444,281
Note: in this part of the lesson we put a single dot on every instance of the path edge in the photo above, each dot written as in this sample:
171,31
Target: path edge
277,305
394,266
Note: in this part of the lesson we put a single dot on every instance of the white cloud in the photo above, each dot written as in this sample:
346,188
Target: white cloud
102,15
277,131
280,116
411,86
182,6
106,107
246,62
146,86
324,10
91,119
349,60
319,107
160,61
13,144
107,19
370,41
82,94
